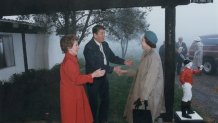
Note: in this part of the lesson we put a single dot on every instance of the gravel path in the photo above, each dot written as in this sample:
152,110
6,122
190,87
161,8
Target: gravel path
205,95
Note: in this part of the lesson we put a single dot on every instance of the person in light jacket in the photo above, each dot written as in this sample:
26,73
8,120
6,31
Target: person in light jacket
198,53
148,85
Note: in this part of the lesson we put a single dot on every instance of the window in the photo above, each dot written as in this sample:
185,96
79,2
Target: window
6,51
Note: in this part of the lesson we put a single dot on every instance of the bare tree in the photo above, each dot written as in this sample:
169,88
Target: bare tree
122,24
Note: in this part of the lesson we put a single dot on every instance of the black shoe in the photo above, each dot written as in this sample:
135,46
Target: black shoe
184,109
190,111
186,116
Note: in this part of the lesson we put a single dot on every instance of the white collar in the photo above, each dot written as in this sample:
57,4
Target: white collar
97,42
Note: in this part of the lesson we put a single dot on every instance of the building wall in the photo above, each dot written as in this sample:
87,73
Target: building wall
36,47
37,54
55,55
5,73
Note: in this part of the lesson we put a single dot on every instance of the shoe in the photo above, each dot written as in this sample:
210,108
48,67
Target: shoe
190,111
184,109
186,116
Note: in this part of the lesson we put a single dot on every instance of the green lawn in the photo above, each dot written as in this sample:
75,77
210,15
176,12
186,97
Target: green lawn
119,90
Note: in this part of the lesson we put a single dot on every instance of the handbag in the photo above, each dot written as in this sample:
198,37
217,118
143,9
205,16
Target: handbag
141,115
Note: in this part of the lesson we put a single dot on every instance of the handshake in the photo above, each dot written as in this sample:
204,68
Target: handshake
119,71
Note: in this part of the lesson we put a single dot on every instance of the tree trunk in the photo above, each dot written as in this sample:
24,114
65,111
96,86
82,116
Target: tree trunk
85,27
125,50
124,46
67,23
73,17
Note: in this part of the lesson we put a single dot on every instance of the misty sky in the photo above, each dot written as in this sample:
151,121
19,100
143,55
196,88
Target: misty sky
191,20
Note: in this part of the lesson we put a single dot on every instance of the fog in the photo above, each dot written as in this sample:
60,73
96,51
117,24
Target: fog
191,21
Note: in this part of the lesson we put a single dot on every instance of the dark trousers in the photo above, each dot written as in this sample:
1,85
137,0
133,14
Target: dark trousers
99,89
178,67
179,62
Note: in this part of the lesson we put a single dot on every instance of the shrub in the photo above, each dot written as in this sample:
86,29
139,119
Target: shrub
33,95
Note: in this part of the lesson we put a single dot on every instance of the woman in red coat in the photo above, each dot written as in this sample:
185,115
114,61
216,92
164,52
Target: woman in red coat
73,100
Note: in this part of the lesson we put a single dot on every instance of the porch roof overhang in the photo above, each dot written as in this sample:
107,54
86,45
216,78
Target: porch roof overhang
13,26
23,7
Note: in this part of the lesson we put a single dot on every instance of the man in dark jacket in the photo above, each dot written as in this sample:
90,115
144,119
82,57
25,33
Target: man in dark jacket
98,55
181,52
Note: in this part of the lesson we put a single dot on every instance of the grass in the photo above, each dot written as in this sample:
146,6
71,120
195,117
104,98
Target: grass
177,98
119,90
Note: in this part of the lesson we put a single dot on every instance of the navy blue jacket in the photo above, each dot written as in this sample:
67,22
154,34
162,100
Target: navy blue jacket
94,57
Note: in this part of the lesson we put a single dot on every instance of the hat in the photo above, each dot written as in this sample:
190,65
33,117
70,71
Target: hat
186,61
197,39
151,36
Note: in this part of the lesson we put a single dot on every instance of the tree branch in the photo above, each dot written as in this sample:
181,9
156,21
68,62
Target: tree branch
81,17
62,26
96,22
85,26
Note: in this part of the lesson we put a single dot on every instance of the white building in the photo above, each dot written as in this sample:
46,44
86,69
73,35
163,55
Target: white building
22,48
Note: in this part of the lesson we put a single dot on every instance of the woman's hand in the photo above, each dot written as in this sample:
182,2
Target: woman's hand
128,62
98,73
119,71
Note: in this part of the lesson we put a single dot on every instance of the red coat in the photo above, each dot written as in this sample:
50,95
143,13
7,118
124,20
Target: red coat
74,104
186,75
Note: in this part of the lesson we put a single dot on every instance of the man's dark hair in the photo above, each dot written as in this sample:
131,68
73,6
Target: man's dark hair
96,28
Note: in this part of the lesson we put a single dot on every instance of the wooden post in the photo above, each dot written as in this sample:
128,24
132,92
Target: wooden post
24,52
169,76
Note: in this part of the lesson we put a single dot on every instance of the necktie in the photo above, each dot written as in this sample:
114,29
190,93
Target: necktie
101,49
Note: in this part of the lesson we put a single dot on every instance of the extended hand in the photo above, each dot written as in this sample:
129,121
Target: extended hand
128,62
119,71
98,73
